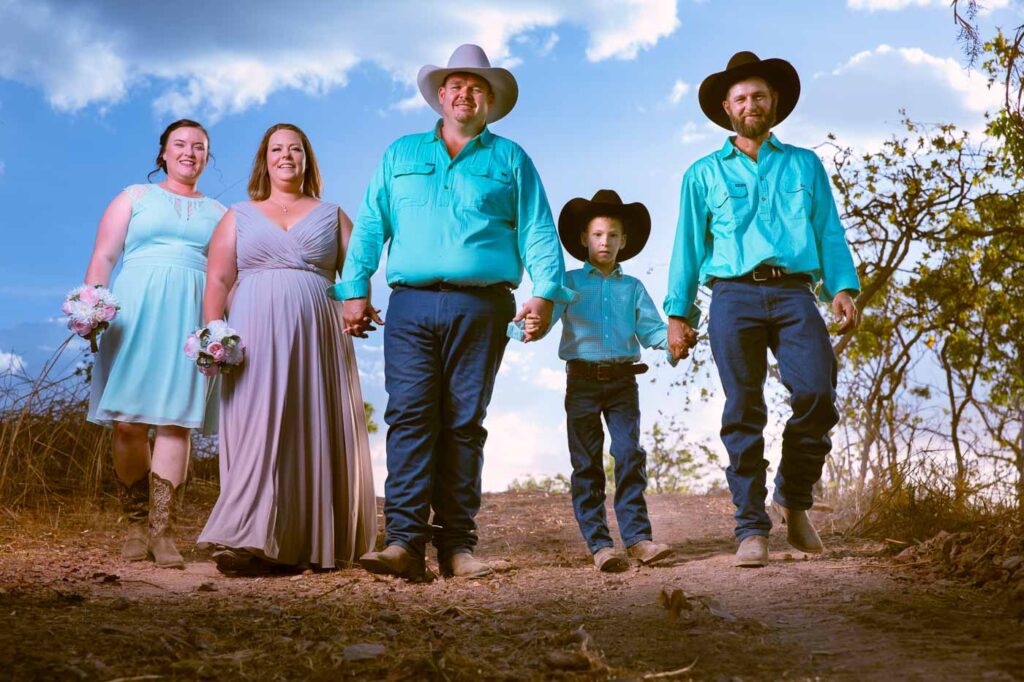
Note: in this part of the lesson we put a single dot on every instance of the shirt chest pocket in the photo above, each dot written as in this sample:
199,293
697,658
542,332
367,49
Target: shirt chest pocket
795,200
730,207
488,190
412,184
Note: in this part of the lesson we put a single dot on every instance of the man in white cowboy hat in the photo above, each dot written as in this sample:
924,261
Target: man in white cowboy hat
463,211
759,225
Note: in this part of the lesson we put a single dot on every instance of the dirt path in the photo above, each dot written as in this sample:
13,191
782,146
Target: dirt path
70,609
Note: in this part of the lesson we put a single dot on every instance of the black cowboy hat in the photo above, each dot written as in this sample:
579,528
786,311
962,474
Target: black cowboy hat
779,73
577,214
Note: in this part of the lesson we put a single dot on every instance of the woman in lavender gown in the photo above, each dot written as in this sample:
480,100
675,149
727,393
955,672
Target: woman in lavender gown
296,484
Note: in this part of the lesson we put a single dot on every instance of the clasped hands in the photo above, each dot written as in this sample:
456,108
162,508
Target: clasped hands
359,317
536,318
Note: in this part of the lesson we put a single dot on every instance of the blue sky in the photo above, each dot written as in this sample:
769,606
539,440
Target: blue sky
607,99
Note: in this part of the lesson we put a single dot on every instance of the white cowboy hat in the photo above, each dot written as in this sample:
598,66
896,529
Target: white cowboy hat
471,58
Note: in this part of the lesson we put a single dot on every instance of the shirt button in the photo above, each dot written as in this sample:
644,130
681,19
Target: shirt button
764,199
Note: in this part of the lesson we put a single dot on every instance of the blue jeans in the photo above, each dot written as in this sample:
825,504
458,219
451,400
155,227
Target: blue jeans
585,401
746,321
442,350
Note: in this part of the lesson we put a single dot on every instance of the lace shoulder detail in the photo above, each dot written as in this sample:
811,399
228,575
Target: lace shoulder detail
136,192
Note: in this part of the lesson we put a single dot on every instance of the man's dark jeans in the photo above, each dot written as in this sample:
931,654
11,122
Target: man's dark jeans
748,320
442,350
586,400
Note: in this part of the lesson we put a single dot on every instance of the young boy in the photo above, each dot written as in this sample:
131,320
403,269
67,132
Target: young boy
601,337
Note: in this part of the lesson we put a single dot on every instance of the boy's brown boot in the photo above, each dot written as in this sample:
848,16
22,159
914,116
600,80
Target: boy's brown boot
162,507
135,507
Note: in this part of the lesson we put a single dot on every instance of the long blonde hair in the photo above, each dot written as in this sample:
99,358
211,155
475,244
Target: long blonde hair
259,179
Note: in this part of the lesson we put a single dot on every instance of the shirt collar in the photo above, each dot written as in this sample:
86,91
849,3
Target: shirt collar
590,270
485,137
730,149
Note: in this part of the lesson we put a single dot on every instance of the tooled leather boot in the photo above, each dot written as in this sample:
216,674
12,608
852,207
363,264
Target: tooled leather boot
162,506
135,507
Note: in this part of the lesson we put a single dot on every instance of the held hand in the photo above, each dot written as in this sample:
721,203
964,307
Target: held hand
541,308
845,312
359,317
681,337
532,324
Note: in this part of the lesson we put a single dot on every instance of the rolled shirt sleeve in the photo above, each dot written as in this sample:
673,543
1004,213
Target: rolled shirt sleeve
688,251
539,247
838,271
372,229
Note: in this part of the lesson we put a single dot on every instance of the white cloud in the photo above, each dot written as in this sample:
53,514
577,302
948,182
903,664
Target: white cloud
679,90
621,28
518,446
549,44
94,54
874,85
11,363
985,6
551,379
692,132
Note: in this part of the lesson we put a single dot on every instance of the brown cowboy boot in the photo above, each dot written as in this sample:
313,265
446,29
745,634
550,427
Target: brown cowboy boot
135,507
163,500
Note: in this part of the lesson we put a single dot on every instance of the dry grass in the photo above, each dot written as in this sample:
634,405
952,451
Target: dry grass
49,453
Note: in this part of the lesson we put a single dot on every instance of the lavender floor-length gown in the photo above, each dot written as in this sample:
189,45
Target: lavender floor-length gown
295,477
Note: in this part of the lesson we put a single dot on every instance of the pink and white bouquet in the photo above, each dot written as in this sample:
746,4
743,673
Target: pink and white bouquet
90,308
215,348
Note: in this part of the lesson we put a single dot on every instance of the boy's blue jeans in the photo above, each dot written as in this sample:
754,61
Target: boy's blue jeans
586,400
746,321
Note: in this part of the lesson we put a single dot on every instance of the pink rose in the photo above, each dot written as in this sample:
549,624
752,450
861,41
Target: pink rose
89,295
108,312
192,346
216,349
81,328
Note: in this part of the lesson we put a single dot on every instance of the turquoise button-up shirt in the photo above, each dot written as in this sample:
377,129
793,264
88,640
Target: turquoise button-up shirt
736,213
610,320
474,220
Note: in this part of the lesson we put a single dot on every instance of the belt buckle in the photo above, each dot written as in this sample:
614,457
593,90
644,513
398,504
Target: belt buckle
754,275
601,373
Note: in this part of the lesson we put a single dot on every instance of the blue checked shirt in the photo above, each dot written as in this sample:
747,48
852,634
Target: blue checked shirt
610,320
736,213
474,220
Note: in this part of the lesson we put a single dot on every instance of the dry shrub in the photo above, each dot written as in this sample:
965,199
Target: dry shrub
49,453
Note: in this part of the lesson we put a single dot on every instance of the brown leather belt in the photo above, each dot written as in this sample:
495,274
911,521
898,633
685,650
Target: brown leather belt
768,274
603,371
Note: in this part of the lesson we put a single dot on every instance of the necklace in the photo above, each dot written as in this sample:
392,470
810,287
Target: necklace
284,209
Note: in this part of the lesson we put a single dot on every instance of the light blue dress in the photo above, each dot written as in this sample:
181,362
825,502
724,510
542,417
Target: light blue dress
141,373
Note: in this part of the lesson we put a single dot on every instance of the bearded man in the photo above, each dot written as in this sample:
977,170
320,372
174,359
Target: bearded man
758,224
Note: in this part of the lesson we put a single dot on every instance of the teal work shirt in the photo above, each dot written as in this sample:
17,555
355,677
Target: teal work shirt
474,220
736,213
612,318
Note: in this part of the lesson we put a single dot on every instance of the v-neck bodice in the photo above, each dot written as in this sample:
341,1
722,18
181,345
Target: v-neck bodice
310,245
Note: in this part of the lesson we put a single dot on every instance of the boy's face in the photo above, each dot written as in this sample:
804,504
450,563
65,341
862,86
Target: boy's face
603,238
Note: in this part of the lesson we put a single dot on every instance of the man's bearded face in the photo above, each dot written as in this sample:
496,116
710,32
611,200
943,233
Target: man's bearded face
751,105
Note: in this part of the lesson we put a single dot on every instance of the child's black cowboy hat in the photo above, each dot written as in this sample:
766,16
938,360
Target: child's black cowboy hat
779,73
577,214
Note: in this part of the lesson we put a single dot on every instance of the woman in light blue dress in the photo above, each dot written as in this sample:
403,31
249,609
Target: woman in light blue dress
141,378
